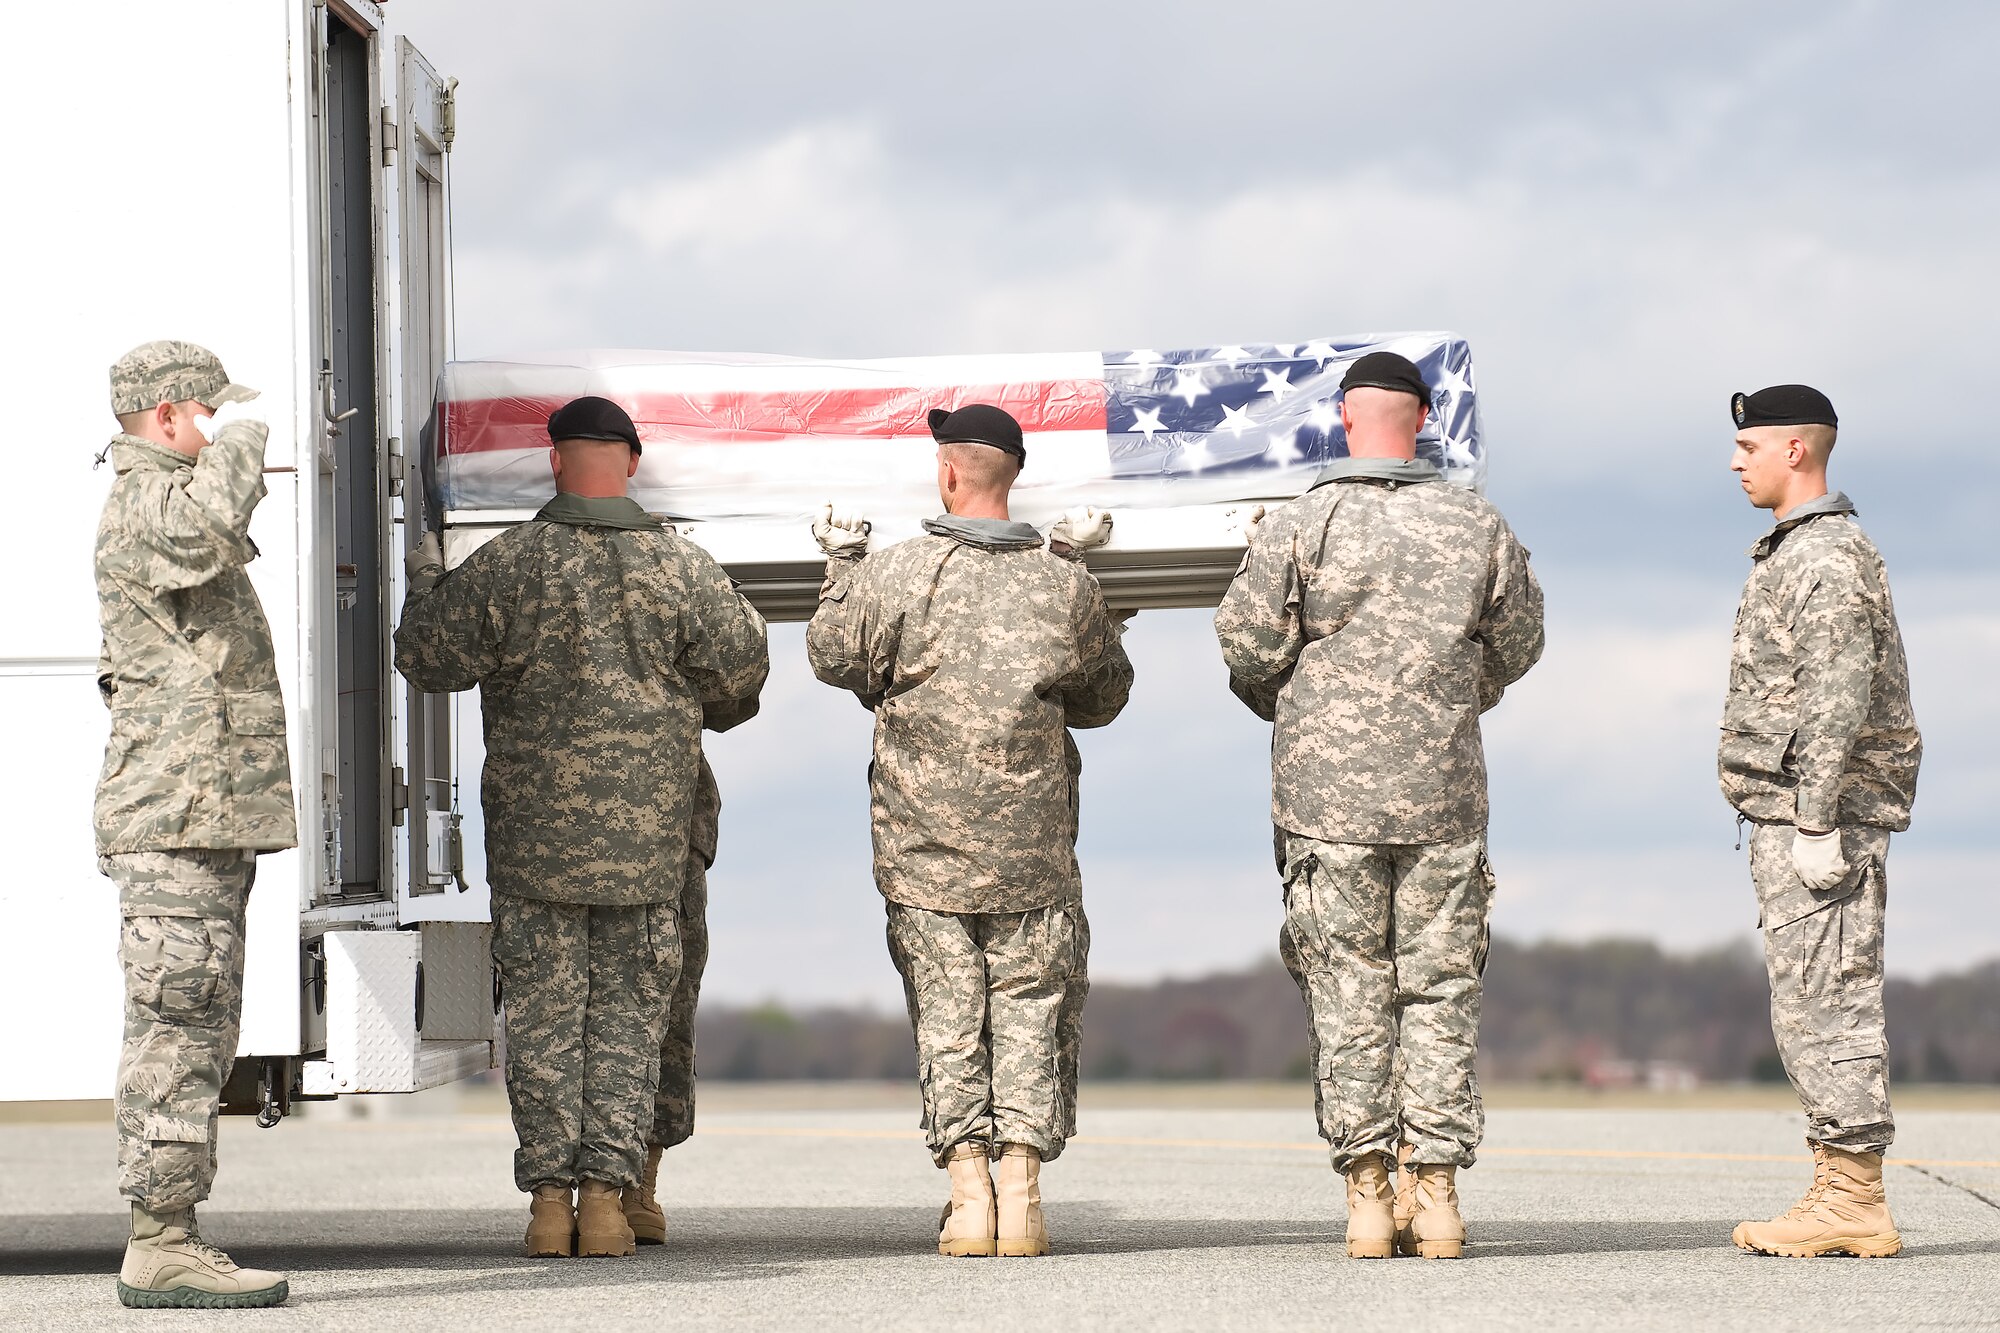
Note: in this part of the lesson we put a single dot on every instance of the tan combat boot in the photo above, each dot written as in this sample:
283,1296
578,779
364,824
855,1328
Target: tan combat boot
551,1223
1017,1194
1844,1211
642,1205
169,1266
601,1229
1371,1225
966,1229
1435,1230
1405,1206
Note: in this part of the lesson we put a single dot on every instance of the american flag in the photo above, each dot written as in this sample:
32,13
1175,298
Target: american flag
746,436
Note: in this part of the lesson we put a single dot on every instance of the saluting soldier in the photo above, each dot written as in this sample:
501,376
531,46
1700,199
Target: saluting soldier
1819,753
1373,620
196,783
977,649
673,1104
596,636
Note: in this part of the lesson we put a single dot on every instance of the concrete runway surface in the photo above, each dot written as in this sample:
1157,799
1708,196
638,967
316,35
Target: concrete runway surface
808,1207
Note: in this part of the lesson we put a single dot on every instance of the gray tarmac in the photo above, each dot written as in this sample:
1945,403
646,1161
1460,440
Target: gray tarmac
807,1207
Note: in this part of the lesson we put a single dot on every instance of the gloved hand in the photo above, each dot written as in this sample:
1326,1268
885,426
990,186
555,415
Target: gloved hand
1250,522
1817,859
841,535
425,564
1080,530
211,426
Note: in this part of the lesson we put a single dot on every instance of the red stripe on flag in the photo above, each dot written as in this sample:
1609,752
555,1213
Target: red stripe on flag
481,424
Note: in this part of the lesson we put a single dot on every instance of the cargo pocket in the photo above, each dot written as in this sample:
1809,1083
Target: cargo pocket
254,743
663,934
172,967
1491,884
1867,1047
1759,756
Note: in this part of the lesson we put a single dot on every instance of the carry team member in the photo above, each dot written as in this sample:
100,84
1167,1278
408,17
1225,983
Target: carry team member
196,782
1373,620
1820,752
977,650
596,636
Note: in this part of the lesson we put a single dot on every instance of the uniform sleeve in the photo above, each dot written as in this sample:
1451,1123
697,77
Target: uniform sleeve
450,636
1510,627
726,653
1258,624
107,676
846,643
730,713
1096,692
1837,661
185,533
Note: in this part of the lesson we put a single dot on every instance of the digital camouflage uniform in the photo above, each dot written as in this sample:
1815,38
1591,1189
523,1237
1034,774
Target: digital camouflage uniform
595,636
977,650
673,1105
196,779
1817,732
1373,620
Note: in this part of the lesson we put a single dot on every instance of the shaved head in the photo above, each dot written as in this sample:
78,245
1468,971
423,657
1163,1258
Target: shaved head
1781,467
973,479
597,468
1381,423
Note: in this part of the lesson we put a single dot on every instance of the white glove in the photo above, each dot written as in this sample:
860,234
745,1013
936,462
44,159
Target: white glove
211,426
842,534
1250,522
1817,859
425,564
1081,529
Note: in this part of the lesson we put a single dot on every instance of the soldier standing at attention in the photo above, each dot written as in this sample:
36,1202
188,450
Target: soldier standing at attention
596,635
673,1104
1374,619
1819,752
196,783
977,650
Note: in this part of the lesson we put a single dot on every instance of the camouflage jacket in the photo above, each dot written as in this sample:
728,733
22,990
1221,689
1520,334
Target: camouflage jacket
197,752
976,653
1373,620
706,832
596,636
1817,729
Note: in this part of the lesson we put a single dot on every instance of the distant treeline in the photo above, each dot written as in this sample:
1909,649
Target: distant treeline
1553,1012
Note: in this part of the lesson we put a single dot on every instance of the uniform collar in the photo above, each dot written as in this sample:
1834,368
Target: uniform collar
992,534
1834,502
595,511
1409,471
129,452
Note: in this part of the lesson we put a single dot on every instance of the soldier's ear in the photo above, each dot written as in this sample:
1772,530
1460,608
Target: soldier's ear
632,467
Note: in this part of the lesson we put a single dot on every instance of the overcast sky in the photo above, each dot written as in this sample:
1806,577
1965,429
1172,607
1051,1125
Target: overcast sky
1630,211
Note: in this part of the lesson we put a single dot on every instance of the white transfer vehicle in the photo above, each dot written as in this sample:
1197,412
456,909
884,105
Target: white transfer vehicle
284,203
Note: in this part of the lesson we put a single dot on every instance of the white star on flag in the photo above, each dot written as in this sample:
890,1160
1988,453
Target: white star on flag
1235,420
1285,444
1145,356
1188,386
1277,383
1147,420
1452,382
1231,354
1324,415
1321,351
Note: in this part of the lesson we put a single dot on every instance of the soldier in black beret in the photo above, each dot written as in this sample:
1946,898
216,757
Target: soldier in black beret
1819,753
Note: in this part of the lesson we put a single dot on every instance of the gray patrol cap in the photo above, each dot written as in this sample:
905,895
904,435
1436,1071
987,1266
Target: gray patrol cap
171,371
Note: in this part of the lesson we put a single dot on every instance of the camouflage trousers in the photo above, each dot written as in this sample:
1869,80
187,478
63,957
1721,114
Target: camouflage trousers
586,992
1387,943
181,947
673,1104
1823,952
996,1003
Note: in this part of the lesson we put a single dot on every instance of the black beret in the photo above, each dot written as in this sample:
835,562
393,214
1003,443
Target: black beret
1387,370
979,423
1783,405
593,419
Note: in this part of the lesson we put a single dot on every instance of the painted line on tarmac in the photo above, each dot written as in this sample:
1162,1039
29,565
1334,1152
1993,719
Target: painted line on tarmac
1120,1141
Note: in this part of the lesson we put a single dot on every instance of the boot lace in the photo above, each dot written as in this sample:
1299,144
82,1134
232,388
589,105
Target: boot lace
208,1253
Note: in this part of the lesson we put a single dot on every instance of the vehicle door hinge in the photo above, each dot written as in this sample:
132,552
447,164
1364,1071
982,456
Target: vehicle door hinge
448,113
398,467
399,795
388,135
